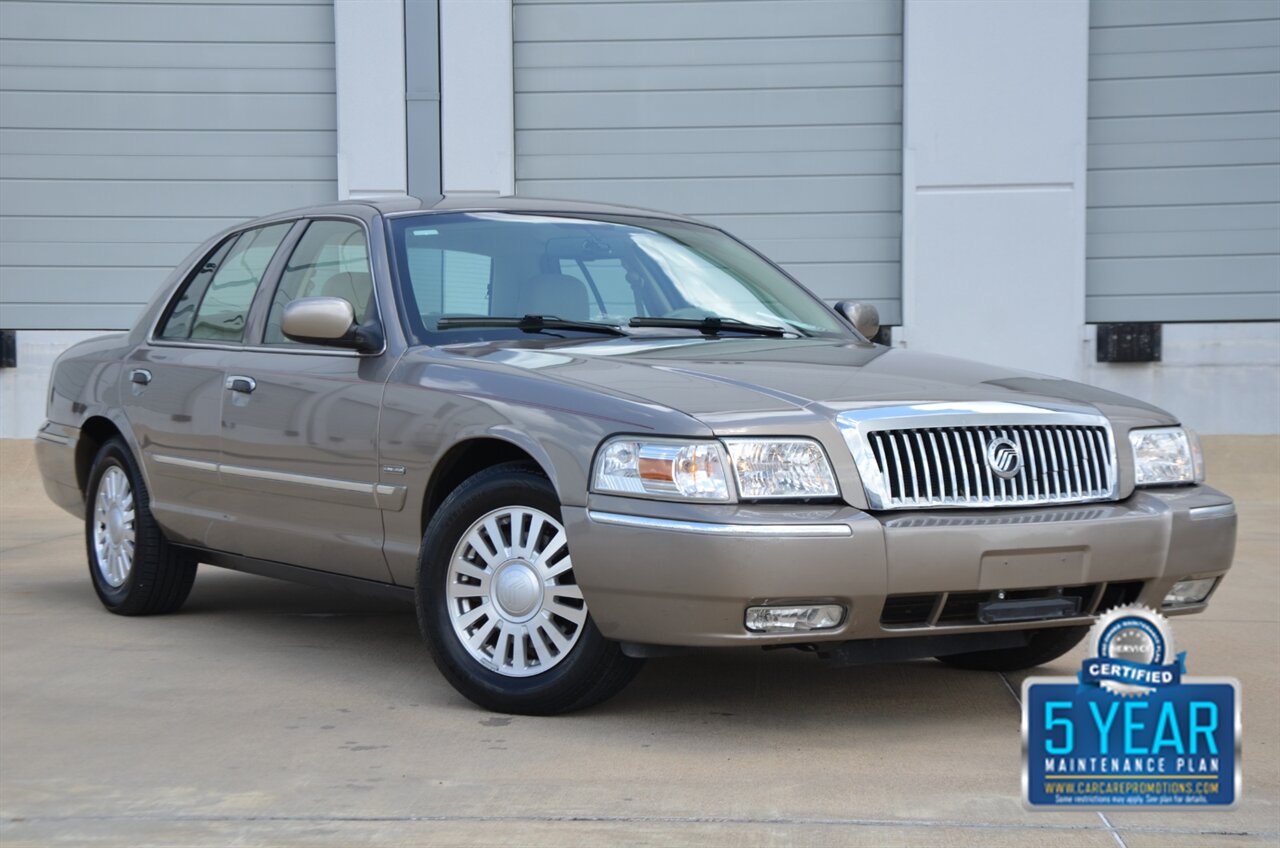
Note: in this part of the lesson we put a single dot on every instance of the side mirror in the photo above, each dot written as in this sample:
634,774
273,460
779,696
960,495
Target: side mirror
327,321
864,317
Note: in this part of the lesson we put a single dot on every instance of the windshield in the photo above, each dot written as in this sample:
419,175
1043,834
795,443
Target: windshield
607,270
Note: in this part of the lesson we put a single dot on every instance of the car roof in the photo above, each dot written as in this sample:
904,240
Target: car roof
406,204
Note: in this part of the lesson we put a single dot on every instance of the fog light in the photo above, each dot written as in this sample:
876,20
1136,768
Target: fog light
794,619
1189,591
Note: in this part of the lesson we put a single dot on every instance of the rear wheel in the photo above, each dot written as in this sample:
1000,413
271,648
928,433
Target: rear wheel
1043,646
499,605
134,569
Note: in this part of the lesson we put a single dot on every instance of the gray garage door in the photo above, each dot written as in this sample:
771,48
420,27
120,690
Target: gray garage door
1184,160
778,120
129,132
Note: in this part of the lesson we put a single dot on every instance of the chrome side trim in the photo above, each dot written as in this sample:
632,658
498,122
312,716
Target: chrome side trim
49,432
717,529
390,497
183,462
385,496
1200,513
298,479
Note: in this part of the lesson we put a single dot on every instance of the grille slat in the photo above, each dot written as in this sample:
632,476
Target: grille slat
1068,467
937,463
1018,437
985,441
971,468
965,468
1077,437
1052,459
1098,448
1076,477
881,458
924,466
897,465
947,466
951,463
911,461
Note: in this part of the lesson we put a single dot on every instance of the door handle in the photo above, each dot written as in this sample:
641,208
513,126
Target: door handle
241,384
141,376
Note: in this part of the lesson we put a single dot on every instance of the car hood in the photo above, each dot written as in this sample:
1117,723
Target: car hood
726,381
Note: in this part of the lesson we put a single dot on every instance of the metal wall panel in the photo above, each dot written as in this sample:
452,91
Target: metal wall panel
131,131
1184,160
780,120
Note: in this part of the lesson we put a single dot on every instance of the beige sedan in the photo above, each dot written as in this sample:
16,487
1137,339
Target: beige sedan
578,436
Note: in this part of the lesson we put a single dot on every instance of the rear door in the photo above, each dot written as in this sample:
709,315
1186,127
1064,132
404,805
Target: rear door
174,384
300,422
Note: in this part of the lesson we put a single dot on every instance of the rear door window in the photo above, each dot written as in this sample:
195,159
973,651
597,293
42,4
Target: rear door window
214,306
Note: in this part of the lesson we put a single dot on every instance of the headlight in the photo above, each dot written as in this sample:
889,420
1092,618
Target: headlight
697,470
781,468
1163,455
662,468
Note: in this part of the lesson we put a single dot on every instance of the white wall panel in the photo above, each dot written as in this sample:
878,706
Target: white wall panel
130,132
1184,160
778,120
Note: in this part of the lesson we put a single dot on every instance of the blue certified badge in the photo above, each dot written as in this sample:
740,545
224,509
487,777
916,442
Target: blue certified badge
1131,730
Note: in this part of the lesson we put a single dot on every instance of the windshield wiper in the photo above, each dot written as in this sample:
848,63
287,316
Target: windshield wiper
529,324
711,325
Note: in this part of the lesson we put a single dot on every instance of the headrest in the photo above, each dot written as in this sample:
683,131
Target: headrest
354,287
555,294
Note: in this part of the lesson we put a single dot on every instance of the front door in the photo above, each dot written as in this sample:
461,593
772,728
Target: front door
299,467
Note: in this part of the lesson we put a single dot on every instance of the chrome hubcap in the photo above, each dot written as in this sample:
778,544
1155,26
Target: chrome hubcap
114,531
517,592
511,593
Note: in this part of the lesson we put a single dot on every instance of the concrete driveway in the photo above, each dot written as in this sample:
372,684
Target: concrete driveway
267,713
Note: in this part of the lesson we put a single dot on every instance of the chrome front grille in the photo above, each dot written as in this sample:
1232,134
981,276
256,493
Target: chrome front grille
936,455
948,464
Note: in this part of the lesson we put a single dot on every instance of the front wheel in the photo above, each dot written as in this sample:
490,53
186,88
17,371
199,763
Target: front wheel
1043,646
499,605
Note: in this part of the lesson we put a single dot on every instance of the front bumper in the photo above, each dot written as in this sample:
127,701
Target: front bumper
676,574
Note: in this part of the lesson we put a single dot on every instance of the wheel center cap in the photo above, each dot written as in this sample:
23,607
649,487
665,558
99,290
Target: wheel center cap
517,592
115,524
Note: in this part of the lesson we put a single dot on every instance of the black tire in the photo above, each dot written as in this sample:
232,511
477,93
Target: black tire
590,671
160,578
1044,646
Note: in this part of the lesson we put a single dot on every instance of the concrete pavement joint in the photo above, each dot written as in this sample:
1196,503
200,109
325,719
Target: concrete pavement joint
1111,829
42,542
605,819
1012,691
